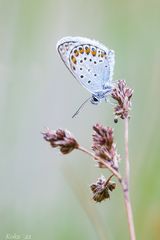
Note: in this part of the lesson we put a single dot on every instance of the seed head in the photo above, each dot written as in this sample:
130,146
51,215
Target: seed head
62,139
101,189
122,94
104,146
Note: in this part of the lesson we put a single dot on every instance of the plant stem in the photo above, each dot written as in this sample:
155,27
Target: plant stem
125,186
127,168
124,182
112,170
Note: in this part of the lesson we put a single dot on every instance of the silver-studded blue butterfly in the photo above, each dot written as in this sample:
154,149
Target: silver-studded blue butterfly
91,63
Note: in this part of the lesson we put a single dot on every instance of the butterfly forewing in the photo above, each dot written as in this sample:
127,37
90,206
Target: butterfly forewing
89,65
90,62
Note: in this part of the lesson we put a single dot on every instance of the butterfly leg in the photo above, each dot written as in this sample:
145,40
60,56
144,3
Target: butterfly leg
108,100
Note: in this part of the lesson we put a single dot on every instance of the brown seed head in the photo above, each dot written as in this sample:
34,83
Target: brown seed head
122,94
104,146
62,139
101,189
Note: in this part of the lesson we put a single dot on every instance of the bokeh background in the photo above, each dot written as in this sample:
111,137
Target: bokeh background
45,195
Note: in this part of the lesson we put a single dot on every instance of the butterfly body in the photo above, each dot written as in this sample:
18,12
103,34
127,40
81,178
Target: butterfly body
91,63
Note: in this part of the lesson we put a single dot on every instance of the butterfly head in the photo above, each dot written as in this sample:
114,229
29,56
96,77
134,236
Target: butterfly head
95,100
98,97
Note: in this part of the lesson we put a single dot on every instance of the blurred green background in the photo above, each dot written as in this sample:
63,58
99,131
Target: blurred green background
45,195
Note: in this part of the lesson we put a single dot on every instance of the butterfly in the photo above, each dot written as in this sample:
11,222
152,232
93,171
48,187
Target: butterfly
91,63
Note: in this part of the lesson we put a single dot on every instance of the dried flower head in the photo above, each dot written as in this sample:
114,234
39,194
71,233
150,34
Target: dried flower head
62,139
104,146
101,189
122,94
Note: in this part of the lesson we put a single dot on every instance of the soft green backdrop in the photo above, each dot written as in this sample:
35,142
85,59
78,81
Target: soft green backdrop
43,194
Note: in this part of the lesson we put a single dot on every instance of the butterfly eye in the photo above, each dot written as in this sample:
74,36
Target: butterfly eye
94,100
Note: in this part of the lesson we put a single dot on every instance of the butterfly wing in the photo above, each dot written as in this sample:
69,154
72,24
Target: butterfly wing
90,62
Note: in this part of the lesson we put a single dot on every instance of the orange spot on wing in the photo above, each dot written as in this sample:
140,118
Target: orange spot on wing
94,52
102,54
76,52
73,59
87,50
81,50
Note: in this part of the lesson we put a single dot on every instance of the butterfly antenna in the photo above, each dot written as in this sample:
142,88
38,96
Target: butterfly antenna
82,105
